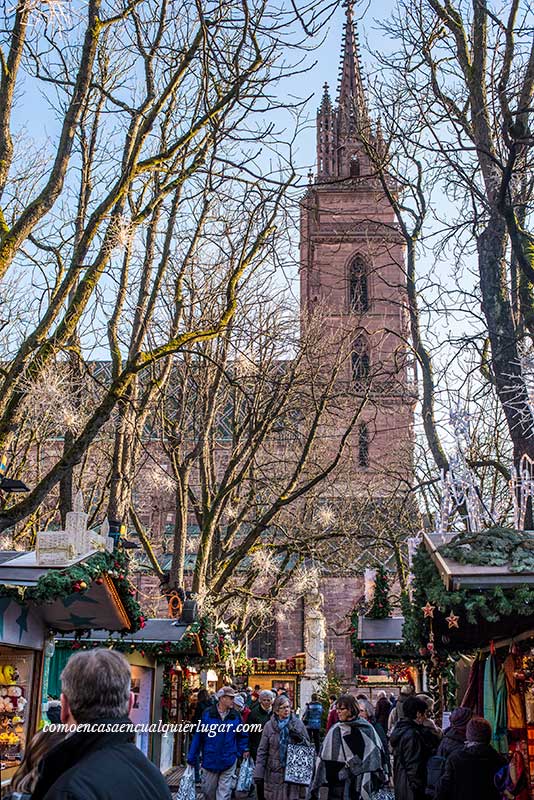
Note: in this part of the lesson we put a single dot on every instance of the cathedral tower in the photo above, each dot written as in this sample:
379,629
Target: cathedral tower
352,271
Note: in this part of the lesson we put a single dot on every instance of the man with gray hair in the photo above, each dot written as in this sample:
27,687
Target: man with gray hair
260,714
102,761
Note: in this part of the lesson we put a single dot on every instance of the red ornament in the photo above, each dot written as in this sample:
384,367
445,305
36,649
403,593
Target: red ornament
132,592
76,587
76,645
428,610
121,577
430,647
99,581
452,620
423,651
371,644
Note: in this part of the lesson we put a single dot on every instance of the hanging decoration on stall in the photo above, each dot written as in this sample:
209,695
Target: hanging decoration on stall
175,605
452,620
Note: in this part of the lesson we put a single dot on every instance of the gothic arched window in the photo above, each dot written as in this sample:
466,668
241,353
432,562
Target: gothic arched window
361,360
363,445
354,167
358,285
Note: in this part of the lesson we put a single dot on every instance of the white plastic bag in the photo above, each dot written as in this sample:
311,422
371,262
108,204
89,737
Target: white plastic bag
186,789
246,776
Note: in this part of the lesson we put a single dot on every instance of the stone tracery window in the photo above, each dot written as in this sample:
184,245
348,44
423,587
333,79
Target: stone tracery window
361,359
354,167
358,285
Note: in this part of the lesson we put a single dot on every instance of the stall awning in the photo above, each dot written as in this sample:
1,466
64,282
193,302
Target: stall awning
99,605
457,576
156,631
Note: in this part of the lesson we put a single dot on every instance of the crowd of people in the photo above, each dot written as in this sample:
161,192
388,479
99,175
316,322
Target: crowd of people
391,749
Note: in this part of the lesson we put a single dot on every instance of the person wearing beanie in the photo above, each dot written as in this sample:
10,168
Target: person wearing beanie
469,773
454,737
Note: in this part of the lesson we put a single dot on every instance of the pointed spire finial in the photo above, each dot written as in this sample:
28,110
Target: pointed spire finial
351,99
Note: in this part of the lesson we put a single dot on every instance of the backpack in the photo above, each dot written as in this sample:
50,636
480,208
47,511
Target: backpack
434,771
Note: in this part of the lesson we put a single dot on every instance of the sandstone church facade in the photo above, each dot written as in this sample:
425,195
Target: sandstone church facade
352,276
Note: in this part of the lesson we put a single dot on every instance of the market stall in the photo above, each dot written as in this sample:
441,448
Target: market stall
473,609
274,674
382,661
163,654
36,601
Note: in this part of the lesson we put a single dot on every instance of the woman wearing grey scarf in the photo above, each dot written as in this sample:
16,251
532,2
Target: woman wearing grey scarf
352,761
269,775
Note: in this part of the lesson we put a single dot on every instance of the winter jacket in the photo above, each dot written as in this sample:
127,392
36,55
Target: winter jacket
220,751
269,769
99,766
383,709
397,712
313,716
412,747
469,774
257,716
453,740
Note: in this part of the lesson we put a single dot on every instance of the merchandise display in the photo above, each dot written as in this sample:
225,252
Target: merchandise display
15,682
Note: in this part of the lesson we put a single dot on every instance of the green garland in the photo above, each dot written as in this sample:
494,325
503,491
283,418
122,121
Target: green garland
490,604
59,584
493,547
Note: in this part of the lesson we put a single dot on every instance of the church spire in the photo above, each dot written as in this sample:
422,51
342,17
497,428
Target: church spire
340,130
352,105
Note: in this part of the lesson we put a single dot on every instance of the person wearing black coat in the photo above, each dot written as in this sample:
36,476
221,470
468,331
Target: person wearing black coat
383,709
469,773
412,744
102,763
455,736
99,766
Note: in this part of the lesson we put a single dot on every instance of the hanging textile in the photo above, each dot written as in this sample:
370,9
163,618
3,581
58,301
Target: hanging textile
500,738
474,694
516,711
490,689
58,663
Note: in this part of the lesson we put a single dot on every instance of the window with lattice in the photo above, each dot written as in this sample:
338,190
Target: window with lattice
354,167
358,285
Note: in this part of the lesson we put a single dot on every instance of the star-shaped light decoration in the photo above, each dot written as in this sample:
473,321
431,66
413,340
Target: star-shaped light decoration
428,610
452,620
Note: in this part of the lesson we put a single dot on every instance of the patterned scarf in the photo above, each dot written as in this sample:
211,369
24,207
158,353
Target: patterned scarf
283,727
361,775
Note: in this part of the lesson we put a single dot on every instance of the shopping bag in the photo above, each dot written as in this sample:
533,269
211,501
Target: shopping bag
246,776
383,794
299,764
186,789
